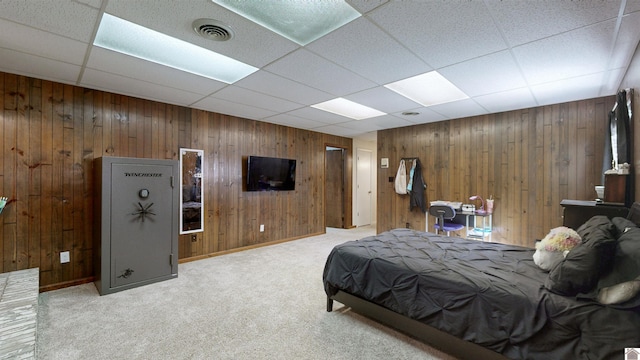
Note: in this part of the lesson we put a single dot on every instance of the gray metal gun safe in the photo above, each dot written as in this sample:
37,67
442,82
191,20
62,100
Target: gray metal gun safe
136,222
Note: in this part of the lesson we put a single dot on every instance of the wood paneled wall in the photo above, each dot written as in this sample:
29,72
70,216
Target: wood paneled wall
529,160
50,133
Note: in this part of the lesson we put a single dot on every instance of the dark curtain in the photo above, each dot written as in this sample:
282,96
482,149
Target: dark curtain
619,124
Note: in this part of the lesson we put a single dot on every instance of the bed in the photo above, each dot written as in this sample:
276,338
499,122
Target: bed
484,300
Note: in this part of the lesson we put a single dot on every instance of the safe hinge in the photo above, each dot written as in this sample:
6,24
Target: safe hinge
171,177
171,260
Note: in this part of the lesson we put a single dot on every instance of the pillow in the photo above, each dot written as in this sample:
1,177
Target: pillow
581,268
622,225
598,222
626,260
619,293
553,247
634,213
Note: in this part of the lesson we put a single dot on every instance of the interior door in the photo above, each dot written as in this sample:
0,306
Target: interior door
334,187
363,187
141,226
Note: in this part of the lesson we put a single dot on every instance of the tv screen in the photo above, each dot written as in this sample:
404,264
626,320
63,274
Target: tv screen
267,173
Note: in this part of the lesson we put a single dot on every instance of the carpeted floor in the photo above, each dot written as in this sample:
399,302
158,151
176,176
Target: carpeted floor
265,303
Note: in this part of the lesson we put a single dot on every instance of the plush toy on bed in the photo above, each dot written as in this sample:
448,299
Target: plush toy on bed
555,246
619,293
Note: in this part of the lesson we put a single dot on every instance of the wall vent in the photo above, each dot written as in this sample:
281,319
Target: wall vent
212,29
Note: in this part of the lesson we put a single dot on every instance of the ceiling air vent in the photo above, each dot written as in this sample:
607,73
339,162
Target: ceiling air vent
212,29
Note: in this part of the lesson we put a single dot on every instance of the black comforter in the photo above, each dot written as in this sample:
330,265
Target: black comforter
486,293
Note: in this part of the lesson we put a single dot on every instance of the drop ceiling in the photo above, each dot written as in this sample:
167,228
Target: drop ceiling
504,55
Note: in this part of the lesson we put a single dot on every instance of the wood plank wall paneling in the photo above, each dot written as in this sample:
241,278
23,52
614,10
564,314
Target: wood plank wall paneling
50,134
529,160
334,188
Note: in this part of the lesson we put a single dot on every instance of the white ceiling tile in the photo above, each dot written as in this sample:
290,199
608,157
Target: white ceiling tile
100,80
387,121
424,115
337,130
278,86
231,108
293,121
441,33
38,67
484,75
386,59
364,6
459,109
507,100
319,115
93,3
526,21
362,125
71,19
112,62
575,53
563,51
612,82
583,87
251,44
627,41
307,68
632,76
252,98
632,6
383,99
41,43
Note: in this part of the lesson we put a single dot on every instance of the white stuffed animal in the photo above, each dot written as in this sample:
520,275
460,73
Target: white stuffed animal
555,246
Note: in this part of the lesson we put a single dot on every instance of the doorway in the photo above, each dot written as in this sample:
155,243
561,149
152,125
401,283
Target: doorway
363,187
334,187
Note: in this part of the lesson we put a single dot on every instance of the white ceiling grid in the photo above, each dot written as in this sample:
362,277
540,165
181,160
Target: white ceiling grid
504,55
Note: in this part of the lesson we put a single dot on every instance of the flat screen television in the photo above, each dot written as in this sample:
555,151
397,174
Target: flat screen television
268,173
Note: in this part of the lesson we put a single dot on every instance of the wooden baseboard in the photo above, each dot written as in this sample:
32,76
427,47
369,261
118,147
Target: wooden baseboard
249,247
65,284
86,280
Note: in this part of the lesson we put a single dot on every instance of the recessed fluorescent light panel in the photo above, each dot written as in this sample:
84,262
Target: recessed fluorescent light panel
428,89
301,21
131,39
347,108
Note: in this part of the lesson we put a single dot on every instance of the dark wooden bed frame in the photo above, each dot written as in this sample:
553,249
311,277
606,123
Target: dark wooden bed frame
431,336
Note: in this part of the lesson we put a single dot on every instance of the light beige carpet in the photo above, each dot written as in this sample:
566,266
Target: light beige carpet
265,303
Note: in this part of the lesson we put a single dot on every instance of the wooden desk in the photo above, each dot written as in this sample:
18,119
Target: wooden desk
472,230
577,212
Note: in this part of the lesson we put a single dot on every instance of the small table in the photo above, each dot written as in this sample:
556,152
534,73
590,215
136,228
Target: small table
478,231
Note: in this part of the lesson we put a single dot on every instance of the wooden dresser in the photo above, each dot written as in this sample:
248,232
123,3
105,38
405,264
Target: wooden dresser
577,212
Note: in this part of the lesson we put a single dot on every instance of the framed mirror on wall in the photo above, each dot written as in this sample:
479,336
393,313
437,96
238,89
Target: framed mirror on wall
192,191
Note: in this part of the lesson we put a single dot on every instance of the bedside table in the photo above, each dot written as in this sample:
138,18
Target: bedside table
577,212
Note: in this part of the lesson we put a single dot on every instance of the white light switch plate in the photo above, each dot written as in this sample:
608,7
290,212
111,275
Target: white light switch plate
261,227
64,257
